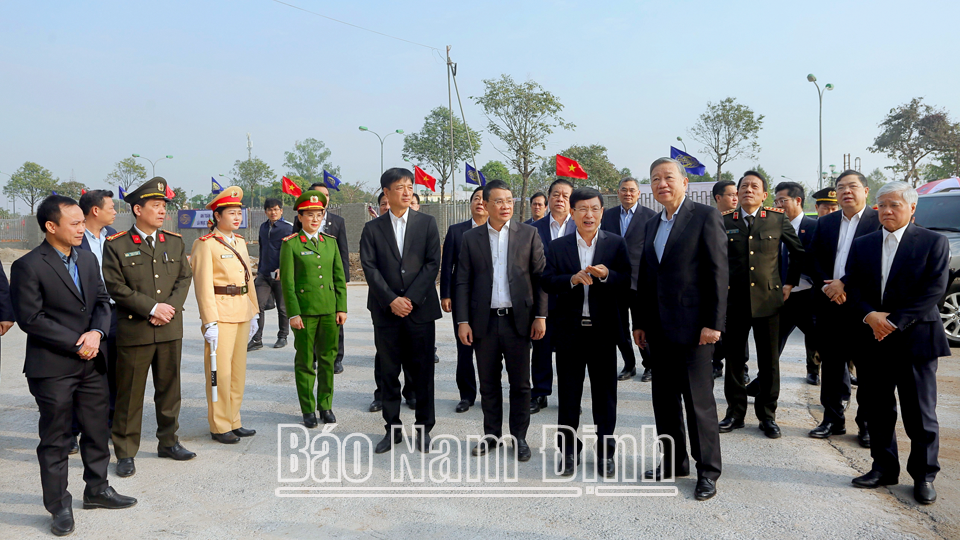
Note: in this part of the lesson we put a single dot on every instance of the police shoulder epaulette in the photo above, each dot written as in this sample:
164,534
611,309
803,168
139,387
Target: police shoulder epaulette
207,236
773,209
328,235
171,233
294,235
116,235
238,235
728,212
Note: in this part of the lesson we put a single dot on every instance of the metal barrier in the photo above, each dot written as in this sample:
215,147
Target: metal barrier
13,230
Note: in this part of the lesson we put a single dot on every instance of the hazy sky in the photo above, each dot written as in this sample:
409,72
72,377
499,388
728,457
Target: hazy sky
85,84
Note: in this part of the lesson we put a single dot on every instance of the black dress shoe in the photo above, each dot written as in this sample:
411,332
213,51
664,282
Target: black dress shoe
244,432
542,401
126,467
436,357
108,498
387,442
730,423
706,489
534,406
62,522
753,389
570,463
827,429
423,442
281,343
626,374
254,345
607,468
376,405
647,375
813,379
746,376
225,438
463,406
412,403
485,445
658,474
717,372
178,452
328,417
874,479
863,437
310,420
770,429
523,450
337,367
74,446
924,493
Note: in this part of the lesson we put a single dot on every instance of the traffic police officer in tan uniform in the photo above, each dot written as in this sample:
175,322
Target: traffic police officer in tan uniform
228,311
146,273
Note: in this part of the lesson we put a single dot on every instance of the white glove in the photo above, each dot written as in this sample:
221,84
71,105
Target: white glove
254,325
211,334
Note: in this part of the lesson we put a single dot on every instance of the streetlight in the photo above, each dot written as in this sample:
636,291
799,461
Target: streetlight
787,177
820,92
683,143
365,128
153,164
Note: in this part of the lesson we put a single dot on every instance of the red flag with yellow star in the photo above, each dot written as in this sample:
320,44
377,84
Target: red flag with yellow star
424,179
570,168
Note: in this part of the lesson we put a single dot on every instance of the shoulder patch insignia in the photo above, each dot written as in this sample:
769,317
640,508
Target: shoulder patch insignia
773,209
172,233
117,235
238,235
728,212
328,235
206,236
294,235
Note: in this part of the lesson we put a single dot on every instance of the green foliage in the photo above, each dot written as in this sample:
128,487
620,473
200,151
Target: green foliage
496,170
771,184
726,175
874,180
70,189
31,183
602,174
912,132
179,200
728,130
254,176
431,145
127,173
522,116
197,201
308,160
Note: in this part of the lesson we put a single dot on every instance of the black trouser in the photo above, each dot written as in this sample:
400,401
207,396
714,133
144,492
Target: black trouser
684,372
58,398
797,312
111,358
265,287
766,337
587,348
407,393
502,345
720,352
466,374
407,346
915,383
542,364
625,346
834,355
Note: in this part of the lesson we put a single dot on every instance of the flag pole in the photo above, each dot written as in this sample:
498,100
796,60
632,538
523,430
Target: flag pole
453,182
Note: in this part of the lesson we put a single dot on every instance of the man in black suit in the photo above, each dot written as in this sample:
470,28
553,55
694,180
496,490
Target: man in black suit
627,220
895,279
684,268
335,226
466,374
62,305
6,305
590,274
538,208
400,254
829,250
270,238
500,307
726,198
556,224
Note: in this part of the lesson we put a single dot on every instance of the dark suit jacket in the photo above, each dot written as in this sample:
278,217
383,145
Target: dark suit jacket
543,229
51,311
451,256
918,279
605,297
525,264
807,226
107,231
826,237
687,290
335,226
270,244
6,302
390,275
633,236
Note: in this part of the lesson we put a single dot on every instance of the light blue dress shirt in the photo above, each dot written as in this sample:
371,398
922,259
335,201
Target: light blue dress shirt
663,231
625,217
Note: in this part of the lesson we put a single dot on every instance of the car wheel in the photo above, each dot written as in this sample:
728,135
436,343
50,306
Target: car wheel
950,314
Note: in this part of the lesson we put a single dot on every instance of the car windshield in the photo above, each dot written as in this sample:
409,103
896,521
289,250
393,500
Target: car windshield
939,213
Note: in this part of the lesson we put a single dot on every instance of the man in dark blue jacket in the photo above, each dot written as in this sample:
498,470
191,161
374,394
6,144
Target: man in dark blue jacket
895,279
267,282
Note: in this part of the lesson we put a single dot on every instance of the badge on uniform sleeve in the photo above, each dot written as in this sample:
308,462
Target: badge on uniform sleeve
162,239
763,213
136,238
735,216
303,239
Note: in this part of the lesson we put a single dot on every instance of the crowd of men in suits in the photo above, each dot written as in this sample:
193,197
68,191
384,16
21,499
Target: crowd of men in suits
578,280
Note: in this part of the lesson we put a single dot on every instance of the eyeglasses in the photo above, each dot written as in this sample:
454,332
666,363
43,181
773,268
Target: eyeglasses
503,203
584,209
781,200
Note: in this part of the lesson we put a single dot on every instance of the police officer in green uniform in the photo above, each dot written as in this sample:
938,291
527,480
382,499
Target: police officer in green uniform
756,294
147,274
315,292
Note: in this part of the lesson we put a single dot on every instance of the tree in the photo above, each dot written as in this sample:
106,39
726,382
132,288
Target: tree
197,201
179,200
522,116
496,170
602,174
351,192
308,160
31,183
431,145
127,173
874,181
910,133
72,189
728,130
771,184
250,174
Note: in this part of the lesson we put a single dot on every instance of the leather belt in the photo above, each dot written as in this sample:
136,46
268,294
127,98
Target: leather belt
586,321
501,312
231,290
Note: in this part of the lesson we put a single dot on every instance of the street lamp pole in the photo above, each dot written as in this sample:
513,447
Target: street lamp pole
812,78
153,164
365,128
683,143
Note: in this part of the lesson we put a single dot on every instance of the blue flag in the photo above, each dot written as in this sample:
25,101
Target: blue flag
689,162
331,181
121,192
475,177
215,186
53,192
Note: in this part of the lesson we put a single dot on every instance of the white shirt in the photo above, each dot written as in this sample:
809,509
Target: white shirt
311,236
805,282
848,229
499,240
557,227
474,224
96,246
891,242
399,227
586,259
323,222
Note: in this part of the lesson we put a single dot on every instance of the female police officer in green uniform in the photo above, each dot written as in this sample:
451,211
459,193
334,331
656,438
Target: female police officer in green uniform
315,292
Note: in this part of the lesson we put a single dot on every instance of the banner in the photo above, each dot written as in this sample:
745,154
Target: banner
197,219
